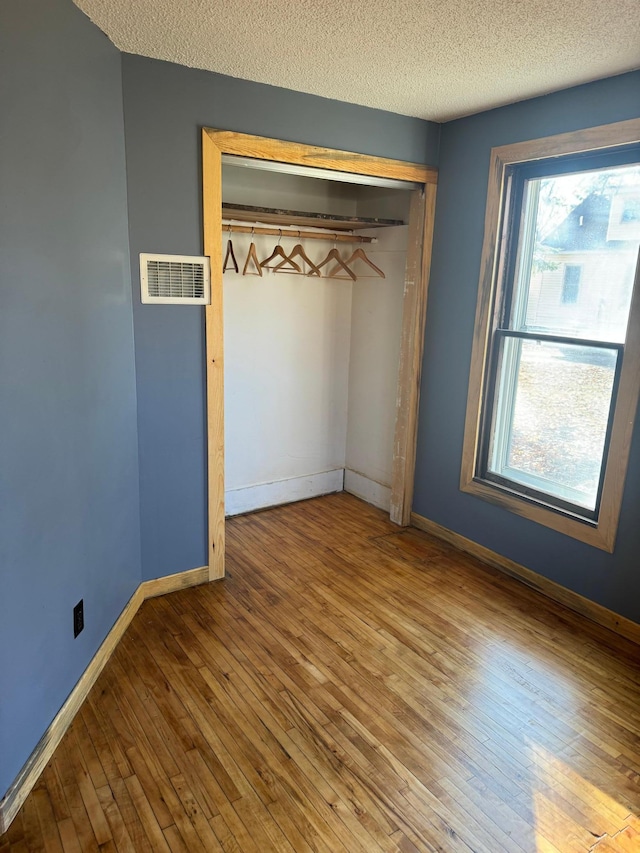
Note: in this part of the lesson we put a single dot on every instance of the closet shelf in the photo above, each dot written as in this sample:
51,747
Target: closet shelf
272,216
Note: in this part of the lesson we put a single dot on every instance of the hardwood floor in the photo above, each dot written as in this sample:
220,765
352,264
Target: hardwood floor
349,687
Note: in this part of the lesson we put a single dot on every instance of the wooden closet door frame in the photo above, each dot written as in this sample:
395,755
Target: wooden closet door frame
215,143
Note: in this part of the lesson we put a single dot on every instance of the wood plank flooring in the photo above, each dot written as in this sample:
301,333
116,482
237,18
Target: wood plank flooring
349,687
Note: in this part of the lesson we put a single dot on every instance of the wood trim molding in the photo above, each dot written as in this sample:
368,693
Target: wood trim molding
420,246
572,600
264,148
173,583
214,335
482,323
603,534
574,142
215,143
46,746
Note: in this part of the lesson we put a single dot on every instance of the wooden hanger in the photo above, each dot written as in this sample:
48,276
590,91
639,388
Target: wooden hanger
231,255
359,254
279,252
334,255
252,255
299,252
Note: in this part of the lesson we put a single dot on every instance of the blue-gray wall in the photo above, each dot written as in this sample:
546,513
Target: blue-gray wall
165,106
610,579
69,501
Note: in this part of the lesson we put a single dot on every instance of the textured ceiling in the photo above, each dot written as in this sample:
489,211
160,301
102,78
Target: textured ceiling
435,59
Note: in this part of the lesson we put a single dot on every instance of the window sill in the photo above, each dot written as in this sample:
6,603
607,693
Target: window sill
599,535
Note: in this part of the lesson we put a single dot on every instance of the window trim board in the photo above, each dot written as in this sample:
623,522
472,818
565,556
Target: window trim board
603,534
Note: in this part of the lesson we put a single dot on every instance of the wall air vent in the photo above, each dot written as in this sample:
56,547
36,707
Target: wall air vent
175,279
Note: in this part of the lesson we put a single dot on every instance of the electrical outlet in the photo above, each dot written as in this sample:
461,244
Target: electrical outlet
78,617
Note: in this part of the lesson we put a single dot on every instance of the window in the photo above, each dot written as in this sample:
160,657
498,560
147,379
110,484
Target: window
556,363
571,284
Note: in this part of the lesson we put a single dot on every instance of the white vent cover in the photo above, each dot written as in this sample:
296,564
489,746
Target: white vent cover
175,279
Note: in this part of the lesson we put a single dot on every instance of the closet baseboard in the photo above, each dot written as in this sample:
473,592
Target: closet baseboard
570,599
238,501
369,490
26,779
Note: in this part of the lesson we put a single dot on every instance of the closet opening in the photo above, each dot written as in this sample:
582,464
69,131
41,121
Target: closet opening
318,291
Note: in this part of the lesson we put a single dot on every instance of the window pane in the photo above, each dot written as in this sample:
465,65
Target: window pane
571,283
551,417
578,251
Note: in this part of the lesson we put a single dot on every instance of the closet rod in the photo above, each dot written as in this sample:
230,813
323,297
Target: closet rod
339,237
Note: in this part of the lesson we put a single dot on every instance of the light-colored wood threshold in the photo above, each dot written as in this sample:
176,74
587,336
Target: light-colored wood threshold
41,755
573,600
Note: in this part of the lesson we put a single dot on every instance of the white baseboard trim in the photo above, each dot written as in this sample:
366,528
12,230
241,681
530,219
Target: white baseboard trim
238,501
573,600
46,746
367,489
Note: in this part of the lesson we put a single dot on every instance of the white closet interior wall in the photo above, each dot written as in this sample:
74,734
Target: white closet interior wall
311,364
